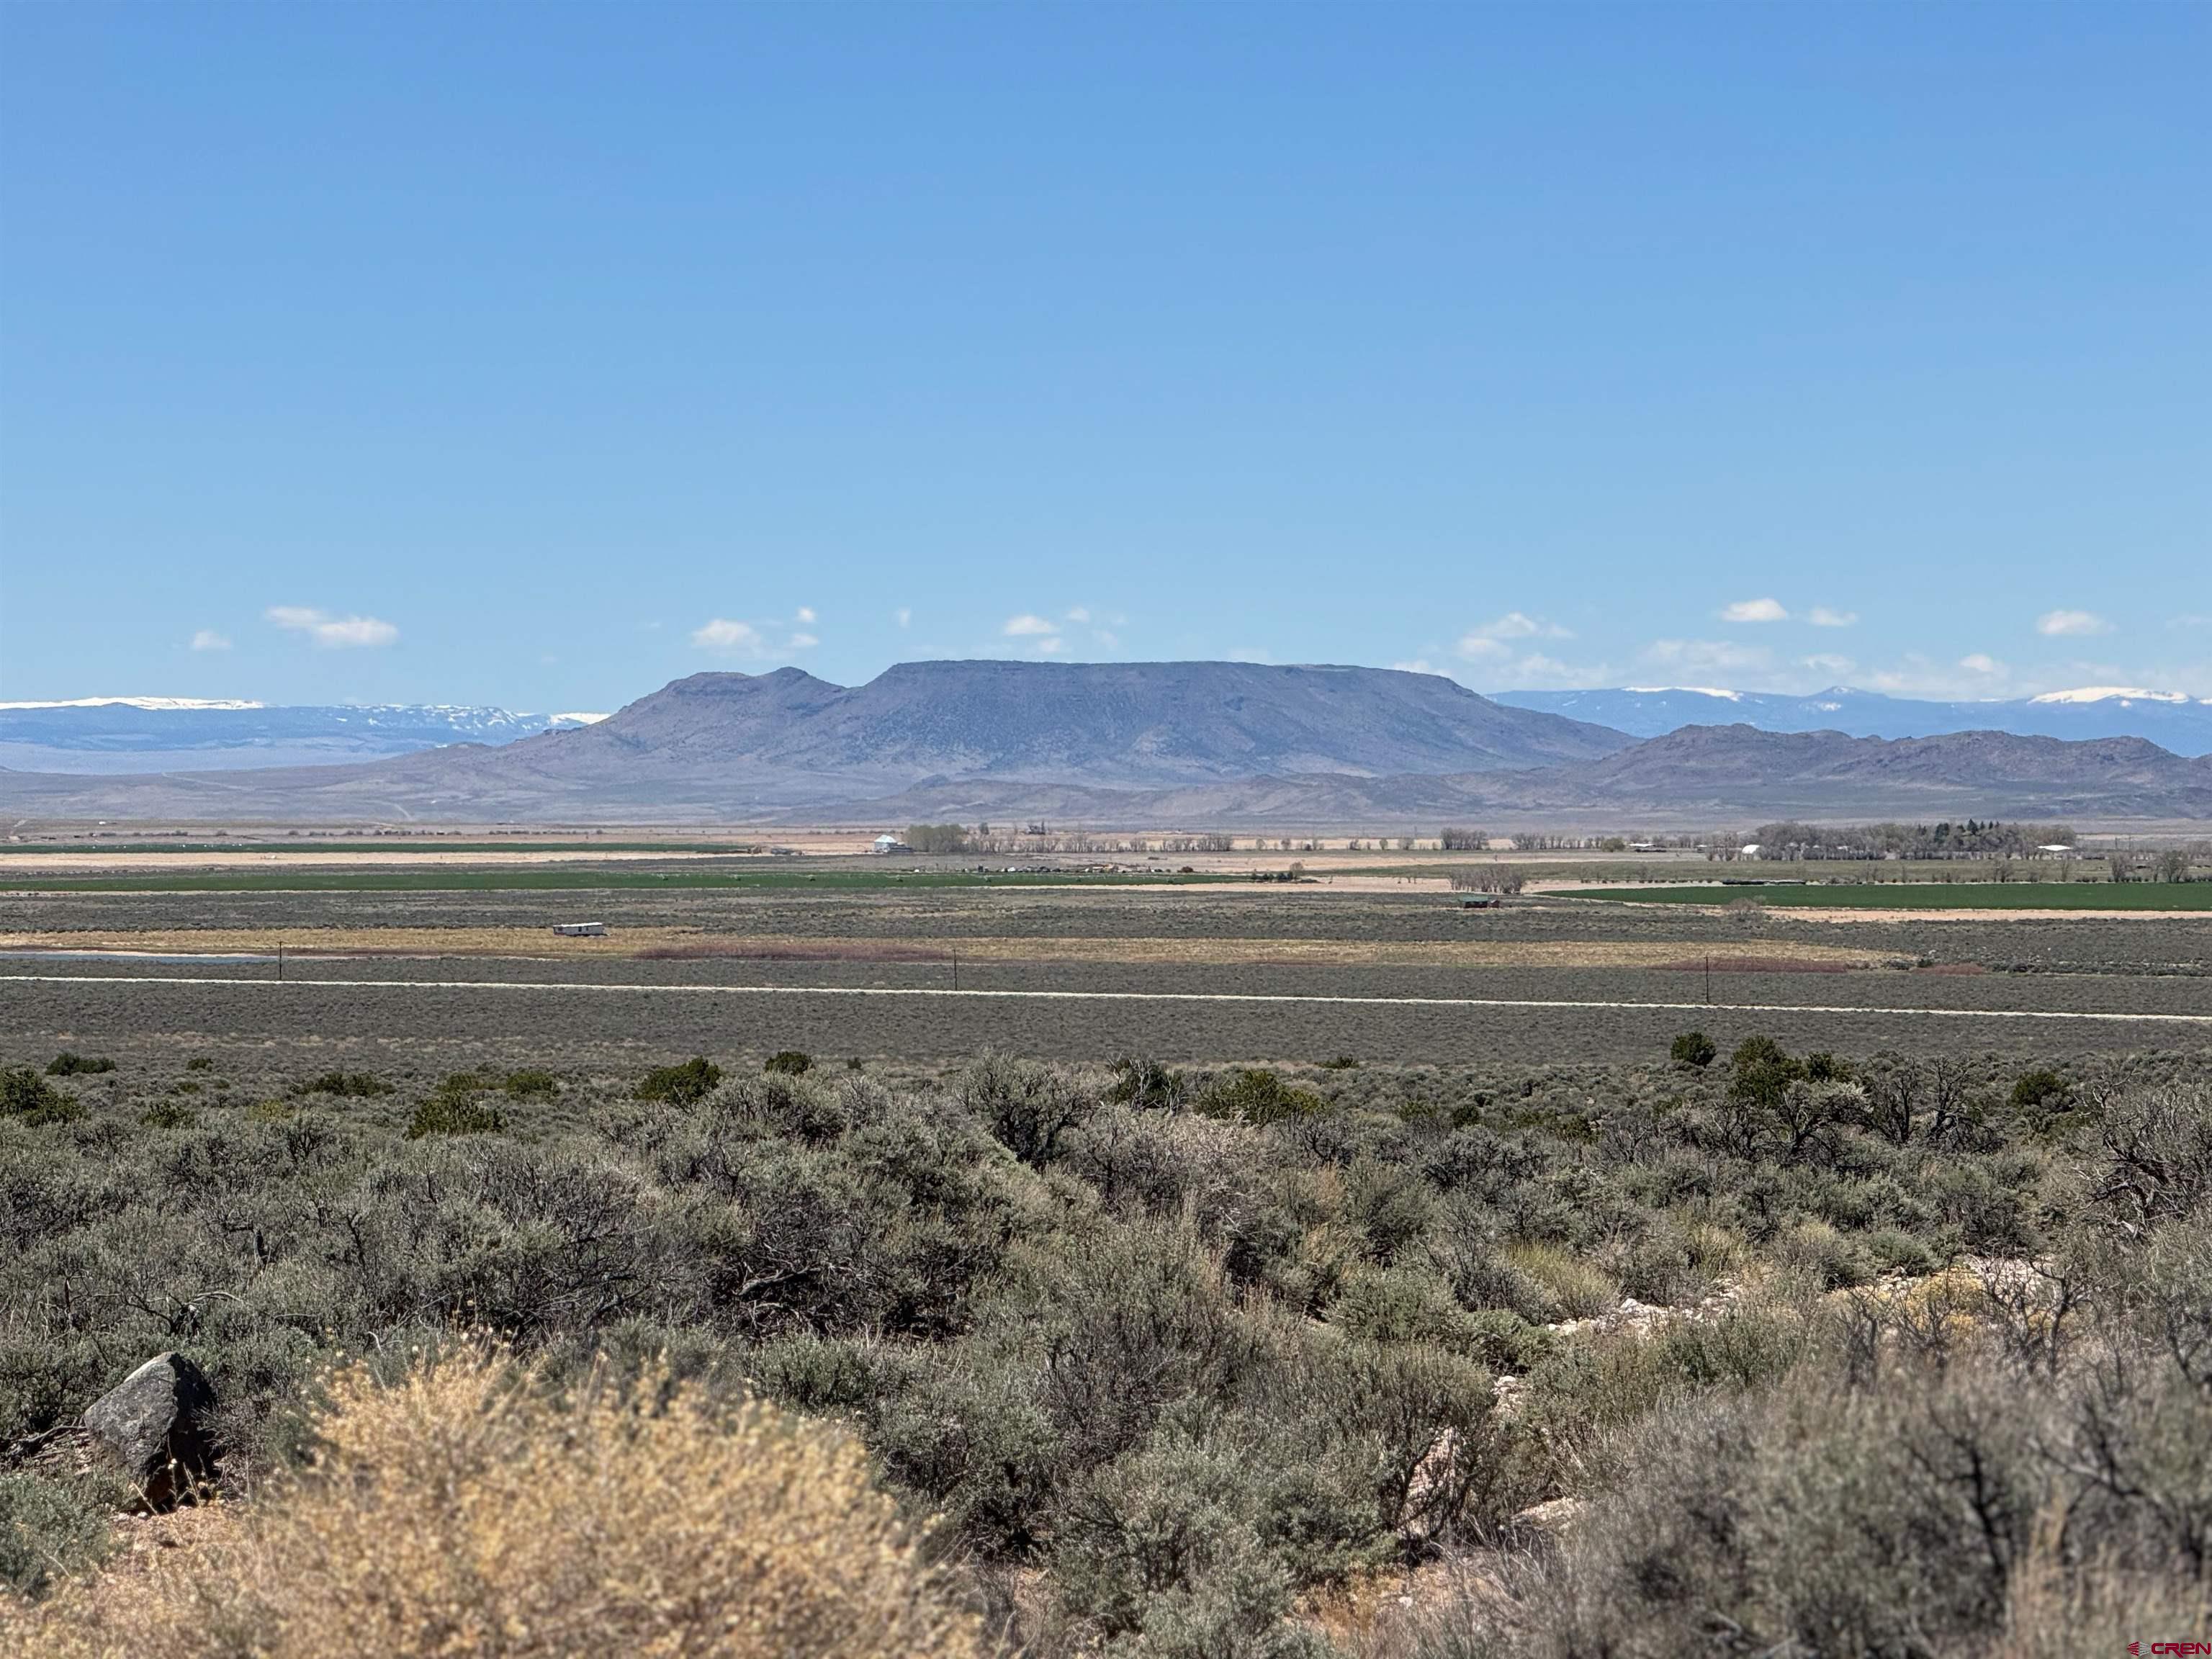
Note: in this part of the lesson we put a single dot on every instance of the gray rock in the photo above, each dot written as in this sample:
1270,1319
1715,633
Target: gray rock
156,1427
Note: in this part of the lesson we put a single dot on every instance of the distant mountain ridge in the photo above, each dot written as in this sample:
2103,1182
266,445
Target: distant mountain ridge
1740,765
785,738
1698,776
1151,745
2171,720
174,734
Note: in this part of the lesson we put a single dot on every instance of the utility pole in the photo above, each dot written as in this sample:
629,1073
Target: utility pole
955,967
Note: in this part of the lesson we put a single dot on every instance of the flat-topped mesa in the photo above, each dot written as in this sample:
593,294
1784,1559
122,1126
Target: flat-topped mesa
1114,725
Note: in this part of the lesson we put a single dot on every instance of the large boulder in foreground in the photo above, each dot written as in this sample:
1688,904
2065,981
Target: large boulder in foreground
156,1427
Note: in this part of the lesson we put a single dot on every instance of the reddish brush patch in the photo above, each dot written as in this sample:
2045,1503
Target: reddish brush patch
810,951
1757,965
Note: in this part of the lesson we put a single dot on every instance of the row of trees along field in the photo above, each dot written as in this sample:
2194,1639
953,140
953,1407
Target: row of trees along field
1971,839
2000,845
983,839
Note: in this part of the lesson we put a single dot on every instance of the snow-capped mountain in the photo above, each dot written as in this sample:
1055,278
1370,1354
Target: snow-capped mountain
173,734
2173,720
167,703
2120,694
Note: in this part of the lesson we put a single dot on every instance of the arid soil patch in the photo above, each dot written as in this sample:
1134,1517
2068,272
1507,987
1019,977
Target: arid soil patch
672,944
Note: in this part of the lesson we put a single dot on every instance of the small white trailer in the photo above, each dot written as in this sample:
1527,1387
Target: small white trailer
581,929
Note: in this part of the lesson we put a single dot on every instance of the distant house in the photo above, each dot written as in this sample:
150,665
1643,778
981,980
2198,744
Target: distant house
2061,850
1750,852
581,929
889,844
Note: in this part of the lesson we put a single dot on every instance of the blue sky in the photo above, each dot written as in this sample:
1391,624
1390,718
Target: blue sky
540,355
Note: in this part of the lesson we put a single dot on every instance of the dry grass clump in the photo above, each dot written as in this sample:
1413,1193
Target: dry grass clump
462,1512
1581,1288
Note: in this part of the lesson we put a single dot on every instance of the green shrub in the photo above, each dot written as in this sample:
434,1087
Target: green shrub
1188,1548
806,1112
2041,1095
66,1064
23,1092
453,1108
1657,1267
24,1095
971,1436
828,1375
1402,1304
1894,1250
199,1063
789,1062
1821,1066
1147,1083
1694,1048
1761,1073
47,1529
531,1085
686,1085
350,1085
1832,1261
1578,1288
1504,1341
1390,1203
1027,1106
1257,1096
168,1115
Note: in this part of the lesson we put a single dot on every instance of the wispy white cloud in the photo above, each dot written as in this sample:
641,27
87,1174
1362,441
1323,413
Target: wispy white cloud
1537,672
904,616
1106,639
1754,611
1821,616
1497,665
730,637
208,640
1250,653
1708,656
2071,624
332,632
1028,626
1833,664
1975,676
1080,614
1486,640
1416,666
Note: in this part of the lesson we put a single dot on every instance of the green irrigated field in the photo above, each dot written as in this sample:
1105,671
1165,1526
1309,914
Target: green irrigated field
565,880
1930,895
